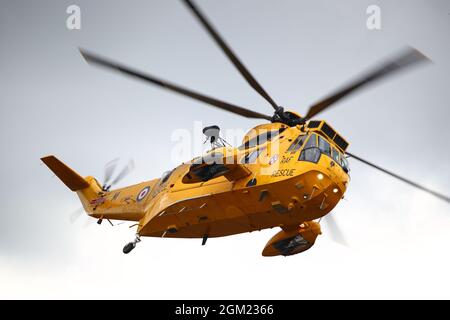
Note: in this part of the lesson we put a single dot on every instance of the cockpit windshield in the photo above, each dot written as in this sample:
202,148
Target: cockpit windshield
316,146
310,151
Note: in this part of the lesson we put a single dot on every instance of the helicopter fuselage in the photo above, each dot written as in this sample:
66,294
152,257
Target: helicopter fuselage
285,187
280,176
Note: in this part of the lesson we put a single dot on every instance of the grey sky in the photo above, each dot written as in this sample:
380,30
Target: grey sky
52,102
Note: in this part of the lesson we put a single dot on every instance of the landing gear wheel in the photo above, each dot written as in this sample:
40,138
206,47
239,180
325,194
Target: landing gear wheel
128,247
131,245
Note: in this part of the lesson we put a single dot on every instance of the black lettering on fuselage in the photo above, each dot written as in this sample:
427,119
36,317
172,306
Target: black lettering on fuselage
283,173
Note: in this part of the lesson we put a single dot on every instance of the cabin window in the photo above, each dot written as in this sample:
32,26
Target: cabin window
208,172
260,139
324,146
166,175
297,144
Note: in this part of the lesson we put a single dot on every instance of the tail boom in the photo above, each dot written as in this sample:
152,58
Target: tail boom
119,204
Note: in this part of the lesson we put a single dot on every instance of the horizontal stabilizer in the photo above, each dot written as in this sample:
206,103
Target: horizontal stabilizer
70,178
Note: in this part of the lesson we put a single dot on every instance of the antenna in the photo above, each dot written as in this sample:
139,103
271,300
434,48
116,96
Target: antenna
212,134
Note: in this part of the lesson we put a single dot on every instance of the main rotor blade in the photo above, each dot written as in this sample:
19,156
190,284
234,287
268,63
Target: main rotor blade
230,54
335,232
95,59
408,58
411,183
88,222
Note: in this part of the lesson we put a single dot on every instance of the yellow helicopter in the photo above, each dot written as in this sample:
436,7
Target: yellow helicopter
288,172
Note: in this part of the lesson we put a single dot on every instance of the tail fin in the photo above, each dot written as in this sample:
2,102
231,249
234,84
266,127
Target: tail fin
93,197
70,178
87,188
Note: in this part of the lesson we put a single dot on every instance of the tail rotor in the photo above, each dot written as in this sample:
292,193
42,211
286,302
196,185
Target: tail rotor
110,168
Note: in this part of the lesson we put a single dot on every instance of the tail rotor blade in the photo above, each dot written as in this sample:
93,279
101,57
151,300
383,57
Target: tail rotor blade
125,171
89,221
109,170
76,214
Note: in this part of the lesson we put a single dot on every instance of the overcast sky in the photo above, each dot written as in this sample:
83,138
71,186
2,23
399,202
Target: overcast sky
53,102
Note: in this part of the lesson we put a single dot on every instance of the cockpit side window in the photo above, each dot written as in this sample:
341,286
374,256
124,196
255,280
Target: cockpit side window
260,139
297,144
336,155
324,146
340,159
344,164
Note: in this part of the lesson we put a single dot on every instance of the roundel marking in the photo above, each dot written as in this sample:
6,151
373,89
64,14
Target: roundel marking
143,193
273,159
